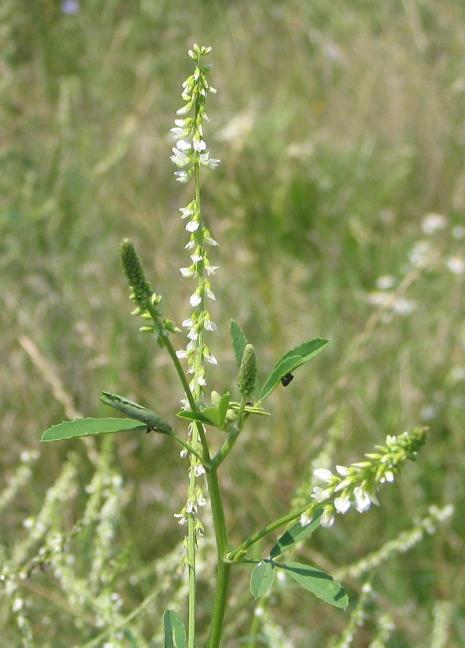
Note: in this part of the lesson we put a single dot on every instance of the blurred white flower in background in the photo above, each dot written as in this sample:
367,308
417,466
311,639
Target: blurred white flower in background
70,7
433,223
421,254
456,264
385,282
237,129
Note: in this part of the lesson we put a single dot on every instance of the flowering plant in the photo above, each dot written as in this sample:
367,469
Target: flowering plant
354,486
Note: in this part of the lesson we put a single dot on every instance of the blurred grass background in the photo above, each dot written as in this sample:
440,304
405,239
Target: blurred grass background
340,127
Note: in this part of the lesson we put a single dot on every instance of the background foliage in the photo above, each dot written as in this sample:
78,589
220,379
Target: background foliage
340,130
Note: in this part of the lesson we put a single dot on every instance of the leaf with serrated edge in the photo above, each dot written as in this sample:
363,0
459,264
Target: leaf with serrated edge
175,632
262,578
321,584
239,340
289,362
296,534
89,427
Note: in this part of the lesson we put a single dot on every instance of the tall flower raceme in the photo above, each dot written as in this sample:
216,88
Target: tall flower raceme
356,485
190,153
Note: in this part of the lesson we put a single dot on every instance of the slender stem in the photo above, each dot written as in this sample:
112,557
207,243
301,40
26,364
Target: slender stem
235,554
223,567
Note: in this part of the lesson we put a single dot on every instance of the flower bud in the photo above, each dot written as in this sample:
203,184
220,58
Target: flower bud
247,371
141,291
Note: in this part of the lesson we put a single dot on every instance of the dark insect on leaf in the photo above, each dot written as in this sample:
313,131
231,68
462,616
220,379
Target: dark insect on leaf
285,380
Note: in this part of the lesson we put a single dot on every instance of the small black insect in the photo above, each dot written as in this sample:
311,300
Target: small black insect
285,380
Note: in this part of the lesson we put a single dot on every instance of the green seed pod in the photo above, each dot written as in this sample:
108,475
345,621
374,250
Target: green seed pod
247,371
141,290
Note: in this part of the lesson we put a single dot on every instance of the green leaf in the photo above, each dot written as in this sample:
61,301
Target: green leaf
175,632
239,340
321,584
289,362
212,415
296,534
136,411
88,427
223,406
262,578
194,416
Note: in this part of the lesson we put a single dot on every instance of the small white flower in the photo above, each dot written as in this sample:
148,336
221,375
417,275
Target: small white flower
211,359
456,265
186,212
186,272
183,145
323,474
179,158
433,223
342,504
199,470
212,163
191,507
177,133
211,241
187,323
389,476
199,145
180,518
196,258
185,109
193,335
327,518
210,294
362,500
201,501
190,245
210,326
420,254
403,306
192,226
211,269
181,176
305,519
182,353
385,282
342,470
195,300
201,381
320,494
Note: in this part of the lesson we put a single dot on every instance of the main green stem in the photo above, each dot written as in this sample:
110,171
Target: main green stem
223,568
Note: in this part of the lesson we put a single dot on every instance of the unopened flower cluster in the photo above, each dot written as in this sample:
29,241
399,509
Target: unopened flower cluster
356,485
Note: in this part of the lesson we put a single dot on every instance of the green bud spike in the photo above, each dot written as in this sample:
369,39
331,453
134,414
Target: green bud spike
141,290
247,371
